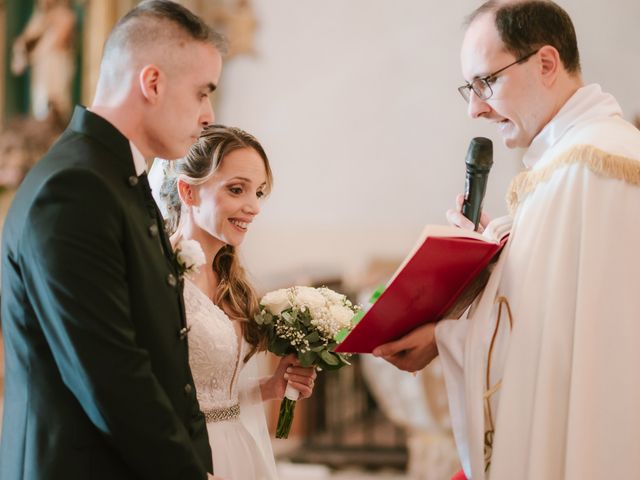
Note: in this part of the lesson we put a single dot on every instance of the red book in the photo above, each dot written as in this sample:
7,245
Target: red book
438,279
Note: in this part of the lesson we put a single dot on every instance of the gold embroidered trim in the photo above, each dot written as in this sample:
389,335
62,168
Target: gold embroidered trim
598,161
489,432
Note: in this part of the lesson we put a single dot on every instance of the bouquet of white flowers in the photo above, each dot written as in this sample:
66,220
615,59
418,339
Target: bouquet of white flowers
308,322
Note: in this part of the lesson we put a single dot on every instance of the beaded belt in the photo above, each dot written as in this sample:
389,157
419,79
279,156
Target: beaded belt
222,414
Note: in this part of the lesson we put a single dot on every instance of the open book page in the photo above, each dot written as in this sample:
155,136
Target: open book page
498,229
494,233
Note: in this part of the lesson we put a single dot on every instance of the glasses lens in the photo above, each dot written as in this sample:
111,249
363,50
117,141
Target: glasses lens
481,88
465,91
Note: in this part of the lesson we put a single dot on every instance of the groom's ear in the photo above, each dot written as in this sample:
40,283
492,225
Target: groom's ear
186,193
151,83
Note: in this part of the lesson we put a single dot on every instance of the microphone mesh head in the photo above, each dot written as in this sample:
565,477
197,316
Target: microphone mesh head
480,153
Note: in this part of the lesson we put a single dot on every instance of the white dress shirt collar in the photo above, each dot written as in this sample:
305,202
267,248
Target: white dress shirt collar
588,103
139,162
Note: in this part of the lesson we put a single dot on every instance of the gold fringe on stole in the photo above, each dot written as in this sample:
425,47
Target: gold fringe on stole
598,161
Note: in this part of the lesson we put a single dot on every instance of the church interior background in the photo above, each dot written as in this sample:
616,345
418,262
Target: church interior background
355,103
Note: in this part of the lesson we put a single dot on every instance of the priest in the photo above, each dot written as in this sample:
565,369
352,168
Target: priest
540,372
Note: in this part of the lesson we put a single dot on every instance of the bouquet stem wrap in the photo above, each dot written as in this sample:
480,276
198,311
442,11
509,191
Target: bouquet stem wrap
287,410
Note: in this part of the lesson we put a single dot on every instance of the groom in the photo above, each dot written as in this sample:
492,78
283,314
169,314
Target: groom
97,377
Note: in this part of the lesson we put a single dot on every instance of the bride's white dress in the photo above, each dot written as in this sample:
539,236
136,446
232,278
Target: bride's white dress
228,392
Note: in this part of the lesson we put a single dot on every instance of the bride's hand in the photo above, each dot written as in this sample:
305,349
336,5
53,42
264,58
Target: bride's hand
289,370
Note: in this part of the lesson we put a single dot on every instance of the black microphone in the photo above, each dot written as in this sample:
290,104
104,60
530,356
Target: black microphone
478,160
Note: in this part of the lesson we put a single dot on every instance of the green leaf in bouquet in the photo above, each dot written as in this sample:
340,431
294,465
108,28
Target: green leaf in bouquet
313,337
329,358
264,318
271,334
305,318
343,360
279,346
319,348
375,295
357,317
287,317
307,358
342,334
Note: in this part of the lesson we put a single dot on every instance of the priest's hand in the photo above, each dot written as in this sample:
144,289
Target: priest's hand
455,217
412,352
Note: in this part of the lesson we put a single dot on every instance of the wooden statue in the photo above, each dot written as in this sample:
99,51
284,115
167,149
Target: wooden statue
46,45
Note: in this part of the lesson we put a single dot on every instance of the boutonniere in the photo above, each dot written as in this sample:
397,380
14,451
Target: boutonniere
189,257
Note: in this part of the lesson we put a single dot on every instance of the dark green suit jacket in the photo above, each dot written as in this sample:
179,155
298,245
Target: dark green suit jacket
98,384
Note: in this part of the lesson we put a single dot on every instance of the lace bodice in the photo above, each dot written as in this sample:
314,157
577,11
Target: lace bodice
213,350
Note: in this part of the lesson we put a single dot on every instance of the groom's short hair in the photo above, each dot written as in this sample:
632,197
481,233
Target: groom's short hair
152,20
160,26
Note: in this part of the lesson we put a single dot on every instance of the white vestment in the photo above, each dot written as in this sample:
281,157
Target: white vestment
569,404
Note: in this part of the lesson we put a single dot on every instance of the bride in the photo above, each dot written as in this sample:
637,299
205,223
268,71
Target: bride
211,196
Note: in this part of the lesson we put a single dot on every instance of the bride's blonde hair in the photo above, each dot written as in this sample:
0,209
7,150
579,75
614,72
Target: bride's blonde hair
234,293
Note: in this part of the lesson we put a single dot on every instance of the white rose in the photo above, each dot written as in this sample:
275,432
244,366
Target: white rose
309,297
332,296
275,302
341,316
190,255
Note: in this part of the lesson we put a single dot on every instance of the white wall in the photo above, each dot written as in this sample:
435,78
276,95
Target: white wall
355,103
